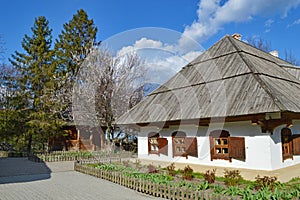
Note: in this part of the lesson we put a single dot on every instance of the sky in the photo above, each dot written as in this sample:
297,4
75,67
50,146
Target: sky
166,33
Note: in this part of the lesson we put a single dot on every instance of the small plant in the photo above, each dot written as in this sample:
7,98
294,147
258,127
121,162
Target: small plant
232,177
210,176
247,193
266,181
137,164
198,175
187,173
180,184
232,191
203,186
218,189
263,193
152,169
294,192
171,169
126,163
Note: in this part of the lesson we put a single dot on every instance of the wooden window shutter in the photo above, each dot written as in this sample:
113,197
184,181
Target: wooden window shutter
191,146
237,148
296,144
212,146
149,146
163,146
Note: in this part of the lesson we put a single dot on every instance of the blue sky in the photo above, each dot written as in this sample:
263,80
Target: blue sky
205,21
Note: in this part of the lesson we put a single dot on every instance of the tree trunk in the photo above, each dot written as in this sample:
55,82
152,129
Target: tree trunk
108,131
29,144
102,139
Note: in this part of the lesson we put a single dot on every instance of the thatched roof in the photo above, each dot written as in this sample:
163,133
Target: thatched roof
230,79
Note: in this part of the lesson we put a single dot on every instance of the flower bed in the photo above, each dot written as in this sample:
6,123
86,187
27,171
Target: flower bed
162,183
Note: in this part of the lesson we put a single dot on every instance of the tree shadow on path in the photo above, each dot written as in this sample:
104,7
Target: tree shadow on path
16,170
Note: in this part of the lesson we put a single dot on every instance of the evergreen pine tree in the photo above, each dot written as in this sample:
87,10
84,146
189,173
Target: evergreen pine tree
71,48
36,82
74,43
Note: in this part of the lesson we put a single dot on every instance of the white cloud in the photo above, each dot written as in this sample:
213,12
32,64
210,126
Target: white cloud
296,22
144,42
267,30
269,23
212,15
162,60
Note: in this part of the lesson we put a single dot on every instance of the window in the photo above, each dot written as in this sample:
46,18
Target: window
287,143
156,144
290,144
184,146
222,146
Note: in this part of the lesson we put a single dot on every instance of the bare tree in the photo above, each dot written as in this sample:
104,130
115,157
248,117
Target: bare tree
291,58
266,47
260,43
106,87
2,49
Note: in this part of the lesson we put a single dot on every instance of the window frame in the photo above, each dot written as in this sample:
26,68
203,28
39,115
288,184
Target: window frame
289,142
234,147
160,146
184,146
217,149
153,137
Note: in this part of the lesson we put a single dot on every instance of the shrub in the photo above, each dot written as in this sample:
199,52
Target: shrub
232,177
171,169
210,176
266,181
126,163
152,169
137,164
187,173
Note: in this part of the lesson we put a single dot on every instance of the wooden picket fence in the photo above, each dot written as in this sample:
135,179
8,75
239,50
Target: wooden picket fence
73,156
147,187
5,154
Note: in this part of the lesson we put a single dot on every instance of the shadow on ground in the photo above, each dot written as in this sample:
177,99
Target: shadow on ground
16,170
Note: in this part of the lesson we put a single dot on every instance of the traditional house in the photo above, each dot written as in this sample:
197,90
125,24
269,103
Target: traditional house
233,106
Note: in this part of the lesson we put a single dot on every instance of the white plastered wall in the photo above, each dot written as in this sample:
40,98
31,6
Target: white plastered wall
263,150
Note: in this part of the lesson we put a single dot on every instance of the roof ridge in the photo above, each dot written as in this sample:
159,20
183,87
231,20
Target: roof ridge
264,52
256,75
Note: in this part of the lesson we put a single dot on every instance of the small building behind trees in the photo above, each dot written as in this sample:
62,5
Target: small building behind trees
78,138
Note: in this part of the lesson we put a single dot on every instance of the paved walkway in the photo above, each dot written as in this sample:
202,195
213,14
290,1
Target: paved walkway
23,179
